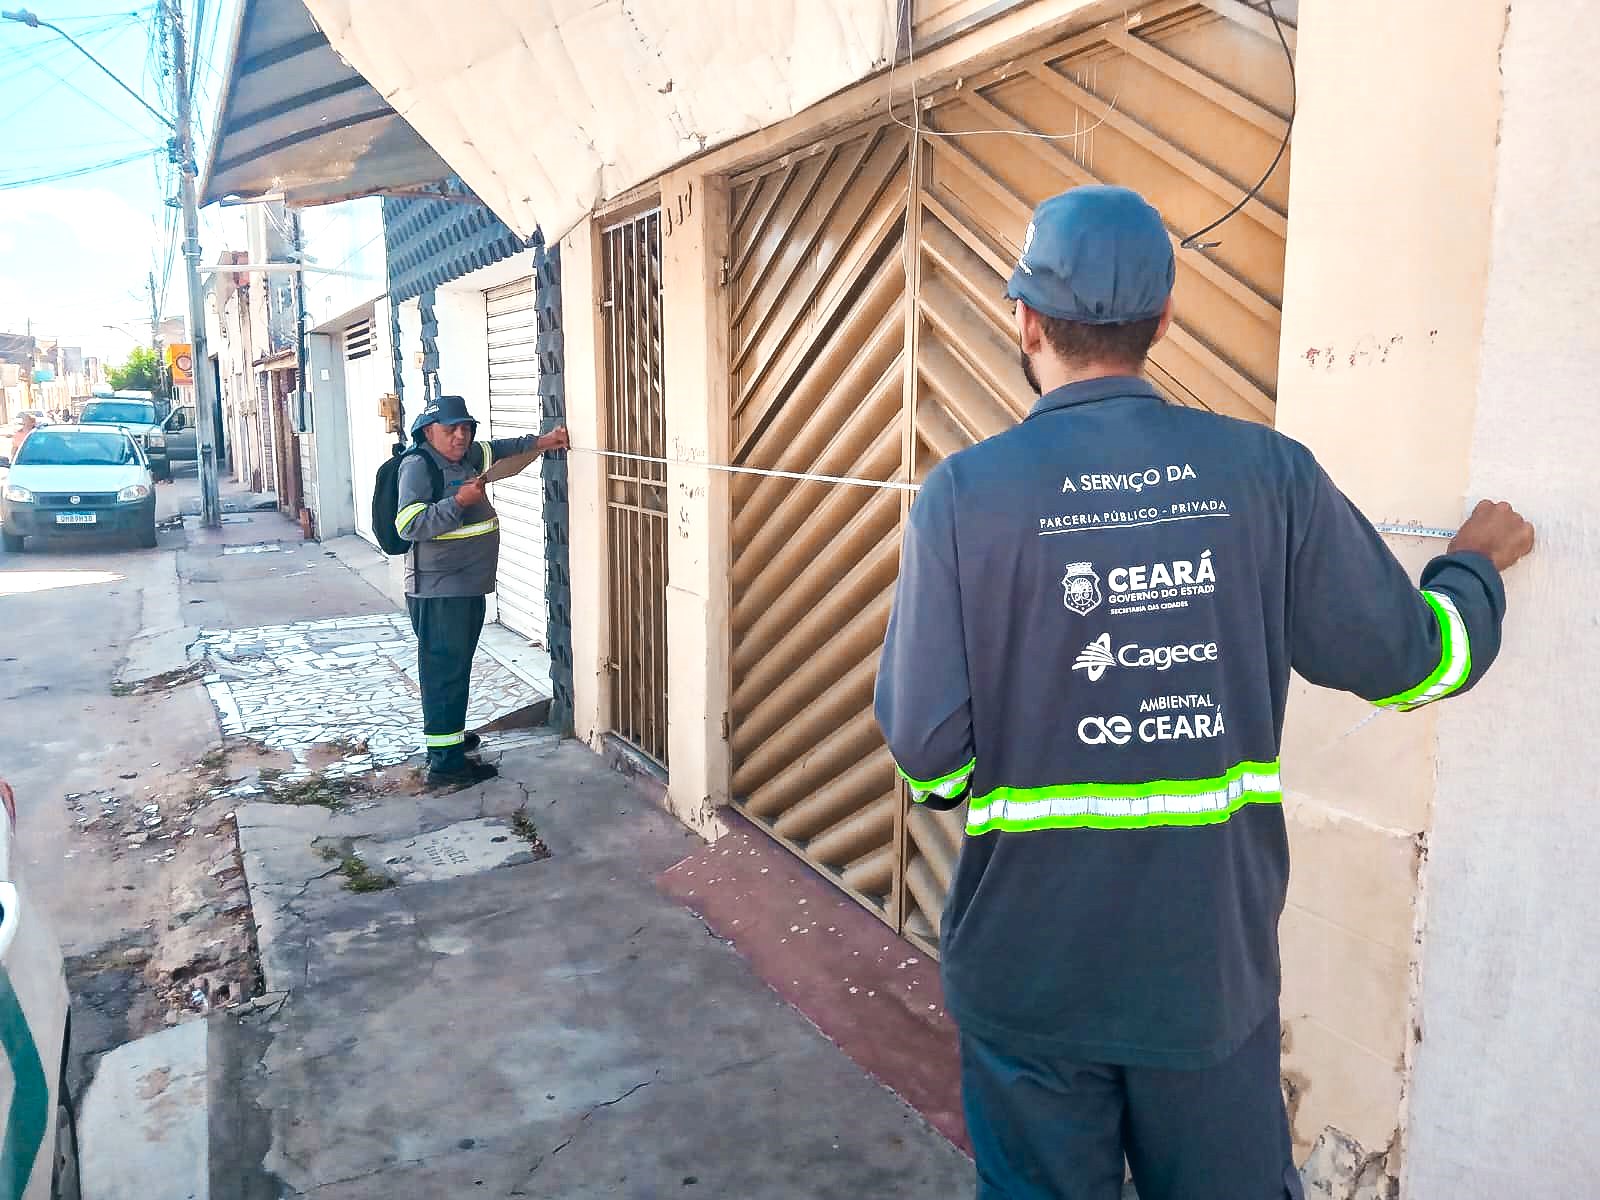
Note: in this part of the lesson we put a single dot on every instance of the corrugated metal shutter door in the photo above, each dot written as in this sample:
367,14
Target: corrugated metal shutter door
1188,106
514,411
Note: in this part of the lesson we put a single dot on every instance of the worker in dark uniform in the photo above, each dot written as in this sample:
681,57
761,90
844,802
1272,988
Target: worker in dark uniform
451,569
1090,648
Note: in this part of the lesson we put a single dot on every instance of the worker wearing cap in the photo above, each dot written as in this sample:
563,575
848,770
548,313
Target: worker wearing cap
1090,648
452,569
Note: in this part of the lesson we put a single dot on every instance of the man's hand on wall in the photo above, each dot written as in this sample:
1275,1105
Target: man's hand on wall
556,439
1496,531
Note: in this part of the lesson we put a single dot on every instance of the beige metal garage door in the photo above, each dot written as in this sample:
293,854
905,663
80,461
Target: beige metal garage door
1188,105
514,411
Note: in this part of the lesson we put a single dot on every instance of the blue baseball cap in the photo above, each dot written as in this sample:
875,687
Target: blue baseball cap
446,410
1096,255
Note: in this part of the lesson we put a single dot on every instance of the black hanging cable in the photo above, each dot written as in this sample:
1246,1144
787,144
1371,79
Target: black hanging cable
1193,242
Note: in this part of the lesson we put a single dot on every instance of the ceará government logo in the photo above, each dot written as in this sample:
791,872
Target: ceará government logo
1082,588
1140,587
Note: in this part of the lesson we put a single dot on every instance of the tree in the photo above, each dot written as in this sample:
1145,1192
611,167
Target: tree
141,373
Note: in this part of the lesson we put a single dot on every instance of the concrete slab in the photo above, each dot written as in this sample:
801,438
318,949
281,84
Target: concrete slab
552,1029
875,995
143,1131
153,653
465,848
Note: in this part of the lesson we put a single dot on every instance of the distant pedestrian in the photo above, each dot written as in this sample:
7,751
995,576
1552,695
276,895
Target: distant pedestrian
445,512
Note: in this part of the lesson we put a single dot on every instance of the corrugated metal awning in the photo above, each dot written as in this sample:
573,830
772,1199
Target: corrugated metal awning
297,121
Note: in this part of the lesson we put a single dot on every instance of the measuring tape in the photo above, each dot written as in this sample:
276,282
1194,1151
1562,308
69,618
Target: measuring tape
1398,528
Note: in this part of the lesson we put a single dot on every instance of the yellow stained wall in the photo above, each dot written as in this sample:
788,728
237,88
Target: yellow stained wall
1384,292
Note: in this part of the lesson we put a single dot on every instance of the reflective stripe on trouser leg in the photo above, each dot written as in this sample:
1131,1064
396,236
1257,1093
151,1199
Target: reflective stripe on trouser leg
447,629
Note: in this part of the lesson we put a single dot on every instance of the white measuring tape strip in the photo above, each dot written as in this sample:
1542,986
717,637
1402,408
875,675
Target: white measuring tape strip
1403,529
891,485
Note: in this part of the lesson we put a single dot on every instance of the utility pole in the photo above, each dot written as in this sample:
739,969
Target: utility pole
205,394
155,337
204,382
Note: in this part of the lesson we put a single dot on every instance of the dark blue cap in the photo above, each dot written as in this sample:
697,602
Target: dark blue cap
446,410
1097,255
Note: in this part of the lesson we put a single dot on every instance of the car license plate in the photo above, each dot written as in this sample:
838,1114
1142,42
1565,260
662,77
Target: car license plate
75,518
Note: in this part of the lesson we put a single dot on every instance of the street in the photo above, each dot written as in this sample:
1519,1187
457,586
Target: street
296,973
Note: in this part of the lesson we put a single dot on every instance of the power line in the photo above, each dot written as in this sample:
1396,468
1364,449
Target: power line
75,172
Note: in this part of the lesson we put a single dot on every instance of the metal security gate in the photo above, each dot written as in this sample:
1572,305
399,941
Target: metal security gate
636,492
1188,106
519,501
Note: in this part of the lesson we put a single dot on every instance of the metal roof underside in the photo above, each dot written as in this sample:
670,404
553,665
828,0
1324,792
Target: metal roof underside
297,121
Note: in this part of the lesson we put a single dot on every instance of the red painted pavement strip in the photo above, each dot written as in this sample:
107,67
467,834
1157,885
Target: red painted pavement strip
872,994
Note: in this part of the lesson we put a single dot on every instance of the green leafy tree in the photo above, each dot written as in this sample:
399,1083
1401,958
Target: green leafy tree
141,373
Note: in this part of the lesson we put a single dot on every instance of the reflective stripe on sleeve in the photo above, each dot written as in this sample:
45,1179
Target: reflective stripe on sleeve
1455,660
470,531
439,741
1126,805
946,787
407,515
488,455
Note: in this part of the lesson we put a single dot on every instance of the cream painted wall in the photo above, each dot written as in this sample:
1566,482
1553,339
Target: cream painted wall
694,229
1503,1099
1383,310
586,512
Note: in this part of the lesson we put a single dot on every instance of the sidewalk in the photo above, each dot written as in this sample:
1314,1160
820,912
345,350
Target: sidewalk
498,992
506,1026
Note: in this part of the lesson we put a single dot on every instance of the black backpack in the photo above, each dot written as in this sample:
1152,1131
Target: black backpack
386,497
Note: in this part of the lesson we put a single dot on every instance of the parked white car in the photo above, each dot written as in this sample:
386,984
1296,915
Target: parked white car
38,1124
75,479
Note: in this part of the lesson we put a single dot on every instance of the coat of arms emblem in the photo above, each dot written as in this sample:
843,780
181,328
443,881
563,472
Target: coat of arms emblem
1081,587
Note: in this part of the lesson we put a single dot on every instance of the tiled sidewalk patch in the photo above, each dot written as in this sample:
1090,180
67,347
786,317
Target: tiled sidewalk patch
348,682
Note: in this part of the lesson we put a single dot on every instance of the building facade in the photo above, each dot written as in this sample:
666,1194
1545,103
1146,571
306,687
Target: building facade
809,278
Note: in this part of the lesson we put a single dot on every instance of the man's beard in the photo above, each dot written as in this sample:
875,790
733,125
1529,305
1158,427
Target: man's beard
1028,373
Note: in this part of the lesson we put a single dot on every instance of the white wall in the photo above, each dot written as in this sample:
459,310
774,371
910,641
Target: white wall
1503,1099
413,392
464,348
346,238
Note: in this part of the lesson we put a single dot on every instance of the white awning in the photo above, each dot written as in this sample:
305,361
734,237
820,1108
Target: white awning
547,107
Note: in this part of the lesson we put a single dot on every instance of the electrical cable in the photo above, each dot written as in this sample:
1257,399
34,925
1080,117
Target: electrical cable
7,185
916,127
1193,242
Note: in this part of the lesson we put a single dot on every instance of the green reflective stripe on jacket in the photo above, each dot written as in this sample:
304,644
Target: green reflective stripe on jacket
470,531
947,787
1208,801
407,515
1455,660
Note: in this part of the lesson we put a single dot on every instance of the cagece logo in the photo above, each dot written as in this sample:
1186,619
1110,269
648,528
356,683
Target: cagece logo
1097,657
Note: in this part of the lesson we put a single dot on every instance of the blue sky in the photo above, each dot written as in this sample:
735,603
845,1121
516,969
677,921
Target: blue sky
74,253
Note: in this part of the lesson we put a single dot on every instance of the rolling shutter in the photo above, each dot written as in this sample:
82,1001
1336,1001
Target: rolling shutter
514,411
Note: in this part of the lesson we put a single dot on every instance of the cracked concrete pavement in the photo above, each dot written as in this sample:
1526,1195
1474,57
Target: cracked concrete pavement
554,1028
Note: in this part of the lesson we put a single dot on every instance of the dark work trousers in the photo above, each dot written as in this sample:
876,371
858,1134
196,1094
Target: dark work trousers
447,629
1050,1129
